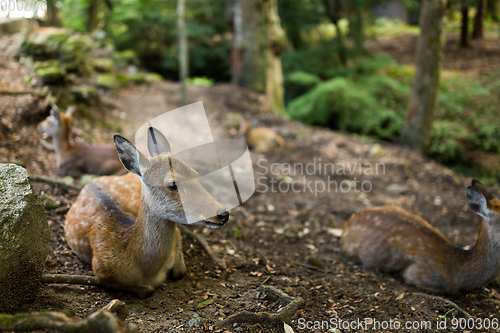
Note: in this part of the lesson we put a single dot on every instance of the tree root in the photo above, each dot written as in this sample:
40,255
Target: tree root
102,321
283,316
70,279
200,239
447,302
40,179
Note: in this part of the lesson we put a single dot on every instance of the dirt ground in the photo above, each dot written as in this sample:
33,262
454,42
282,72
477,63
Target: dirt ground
271,238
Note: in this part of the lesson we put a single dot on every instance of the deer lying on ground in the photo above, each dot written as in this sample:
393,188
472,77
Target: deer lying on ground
126,225
391,239
76,160
260,139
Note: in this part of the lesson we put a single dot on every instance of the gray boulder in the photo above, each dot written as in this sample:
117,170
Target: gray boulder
24,238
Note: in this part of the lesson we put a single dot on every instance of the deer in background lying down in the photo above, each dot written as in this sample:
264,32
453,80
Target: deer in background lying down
391,239
260,139
126,225
76,160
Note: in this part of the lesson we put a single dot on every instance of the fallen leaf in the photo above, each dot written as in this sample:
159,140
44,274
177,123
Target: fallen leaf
400,296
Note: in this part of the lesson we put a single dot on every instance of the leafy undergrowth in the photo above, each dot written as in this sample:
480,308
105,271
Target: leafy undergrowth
373,100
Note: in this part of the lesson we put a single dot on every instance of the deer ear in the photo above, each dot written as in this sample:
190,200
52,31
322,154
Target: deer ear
55,114
157,143
70,110
132,159
477,202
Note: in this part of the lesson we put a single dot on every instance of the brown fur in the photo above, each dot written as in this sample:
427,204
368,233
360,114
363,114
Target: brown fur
391,239
77,160
125,225
261,139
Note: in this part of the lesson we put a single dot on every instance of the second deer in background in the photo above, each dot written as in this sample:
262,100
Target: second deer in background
77,160
391,239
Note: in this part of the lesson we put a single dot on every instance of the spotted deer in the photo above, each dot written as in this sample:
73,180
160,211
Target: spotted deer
391,239
126,225
76,160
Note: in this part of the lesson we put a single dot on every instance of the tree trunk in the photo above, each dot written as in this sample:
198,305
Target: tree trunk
464,36
183,48
492,9
332,11
479,20
92,12
424,92
53,14
258,41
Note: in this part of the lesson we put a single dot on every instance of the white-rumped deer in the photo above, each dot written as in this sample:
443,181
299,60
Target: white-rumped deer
391,239
126,225
76,160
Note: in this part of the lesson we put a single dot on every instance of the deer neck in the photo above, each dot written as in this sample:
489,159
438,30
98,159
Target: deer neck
480,264
61,141
151,239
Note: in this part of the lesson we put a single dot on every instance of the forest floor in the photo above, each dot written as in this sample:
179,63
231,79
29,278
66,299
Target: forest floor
269,238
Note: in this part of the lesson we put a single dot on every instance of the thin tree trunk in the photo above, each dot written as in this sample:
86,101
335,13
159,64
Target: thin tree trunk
479,20
92,12
53,14
464,36
183,48
425,87
332,10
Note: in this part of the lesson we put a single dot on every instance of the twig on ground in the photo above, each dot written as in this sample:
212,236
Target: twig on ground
446,301
42,93
283,316
101,321
70,279
41,179
200,239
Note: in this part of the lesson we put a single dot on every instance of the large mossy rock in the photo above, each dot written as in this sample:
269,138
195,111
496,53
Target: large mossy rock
24,238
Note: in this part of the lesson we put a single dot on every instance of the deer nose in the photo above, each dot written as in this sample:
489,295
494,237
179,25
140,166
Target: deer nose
223,216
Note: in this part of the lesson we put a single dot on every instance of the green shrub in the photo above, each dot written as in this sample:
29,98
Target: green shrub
339,103
447,141
298,83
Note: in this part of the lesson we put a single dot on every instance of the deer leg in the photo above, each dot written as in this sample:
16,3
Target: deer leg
179,269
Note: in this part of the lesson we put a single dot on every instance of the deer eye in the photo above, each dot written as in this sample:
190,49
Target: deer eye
172,186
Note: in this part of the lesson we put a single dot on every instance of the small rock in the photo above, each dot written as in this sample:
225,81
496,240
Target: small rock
314,262
397,189
376,151
437,201
197,322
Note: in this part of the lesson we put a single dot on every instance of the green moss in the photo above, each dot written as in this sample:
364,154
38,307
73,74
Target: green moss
104,65
52,75
107,81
